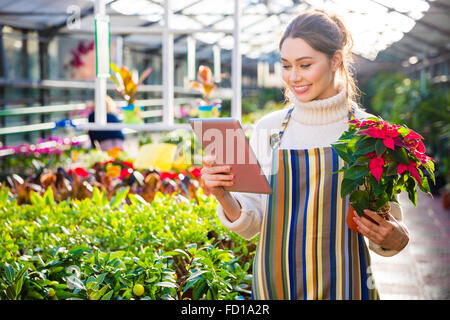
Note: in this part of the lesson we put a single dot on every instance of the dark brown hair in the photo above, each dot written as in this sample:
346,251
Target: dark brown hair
326,33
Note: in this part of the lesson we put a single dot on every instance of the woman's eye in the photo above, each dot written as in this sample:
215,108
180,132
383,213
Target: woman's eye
304,66
285,67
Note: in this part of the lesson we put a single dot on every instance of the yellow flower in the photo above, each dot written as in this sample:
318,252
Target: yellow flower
74,155
180,164
114,152
113,171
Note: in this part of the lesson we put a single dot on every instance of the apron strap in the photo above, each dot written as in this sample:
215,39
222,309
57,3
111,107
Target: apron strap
275,138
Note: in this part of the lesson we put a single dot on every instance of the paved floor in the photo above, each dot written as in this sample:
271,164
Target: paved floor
422,269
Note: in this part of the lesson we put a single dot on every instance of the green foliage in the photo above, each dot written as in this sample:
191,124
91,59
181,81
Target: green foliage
99,249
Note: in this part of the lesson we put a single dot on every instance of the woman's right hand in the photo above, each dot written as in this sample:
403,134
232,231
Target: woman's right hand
216,177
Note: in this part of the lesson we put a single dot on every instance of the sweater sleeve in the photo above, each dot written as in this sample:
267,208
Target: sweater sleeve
248,224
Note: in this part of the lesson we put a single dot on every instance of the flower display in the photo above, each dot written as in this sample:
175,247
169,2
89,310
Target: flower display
382,160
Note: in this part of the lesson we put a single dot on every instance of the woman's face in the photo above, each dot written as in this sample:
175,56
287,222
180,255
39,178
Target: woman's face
308,73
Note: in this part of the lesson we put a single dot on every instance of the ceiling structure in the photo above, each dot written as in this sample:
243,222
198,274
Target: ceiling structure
400,28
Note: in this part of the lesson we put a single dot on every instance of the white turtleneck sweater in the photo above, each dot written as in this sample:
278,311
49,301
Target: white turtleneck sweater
317,123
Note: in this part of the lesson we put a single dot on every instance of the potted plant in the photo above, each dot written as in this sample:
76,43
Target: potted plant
381,161
127,89
206,108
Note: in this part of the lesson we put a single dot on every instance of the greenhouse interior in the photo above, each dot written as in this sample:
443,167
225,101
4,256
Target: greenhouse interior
130,217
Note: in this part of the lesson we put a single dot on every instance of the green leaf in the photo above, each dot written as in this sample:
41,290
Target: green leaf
108,295
48,197
411,189
36,199
119,197
77,250
19,279
364,146
392,169
359,200
355,172
399,155
382,200
380,147
99,293
348,186
96,197
342,150
9,271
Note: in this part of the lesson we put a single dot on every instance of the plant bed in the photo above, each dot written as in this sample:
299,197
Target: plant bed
97,248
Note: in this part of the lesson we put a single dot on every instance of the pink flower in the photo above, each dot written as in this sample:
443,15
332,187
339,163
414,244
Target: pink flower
376,167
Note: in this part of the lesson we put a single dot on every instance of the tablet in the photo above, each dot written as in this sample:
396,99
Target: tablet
225,139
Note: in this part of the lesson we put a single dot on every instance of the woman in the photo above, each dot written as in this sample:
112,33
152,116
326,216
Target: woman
306,250
107,139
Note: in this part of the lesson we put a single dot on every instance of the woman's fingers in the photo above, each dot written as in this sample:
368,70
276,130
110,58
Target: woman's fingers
216,169
218,183
367,228
209,161
374,216
219,177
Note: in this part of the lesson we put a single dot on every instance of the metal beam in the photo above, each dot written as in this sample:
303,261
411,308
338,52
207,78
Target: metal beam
419,21
428,43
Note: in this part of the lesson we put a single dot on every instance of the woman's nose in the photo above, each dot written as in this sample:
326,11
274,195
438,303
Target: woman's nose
295,75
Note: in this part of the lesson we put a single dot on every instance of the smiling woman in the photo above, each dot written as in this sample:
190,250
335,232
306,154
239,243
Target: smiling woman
305,249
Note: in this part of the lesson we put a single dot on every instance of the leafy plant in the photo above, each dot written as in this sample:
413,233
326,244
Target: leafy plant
206,84
123,79
385,159
97,248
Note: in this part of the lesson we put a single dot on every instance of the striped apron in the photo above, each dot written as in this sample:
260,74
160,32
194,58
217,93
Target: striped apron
305,249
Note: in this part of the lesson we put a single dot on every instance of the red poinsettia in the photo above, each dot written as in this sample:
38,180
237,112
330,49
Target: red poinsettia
376,167
412,168
382,131
385,159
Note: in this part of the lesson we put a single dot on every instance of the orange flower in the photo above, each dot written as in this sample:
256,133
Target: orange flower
113,171
114,152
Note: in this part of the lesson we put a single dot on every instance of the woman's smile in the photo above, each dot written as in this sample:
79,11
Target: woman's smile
301,89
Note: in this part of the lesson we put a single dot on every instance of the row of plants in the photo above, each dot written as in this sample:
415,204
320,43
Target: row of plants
122,248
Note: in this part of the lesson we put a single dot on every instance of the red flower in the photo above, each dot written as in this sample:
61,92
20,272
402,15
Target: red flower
125,173
167,175
413,136
127,164
81,172
383,131
196,172
376,167
411,168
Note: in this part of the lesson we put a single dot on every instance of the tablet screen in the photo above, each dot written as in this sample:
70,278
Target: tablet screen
225,139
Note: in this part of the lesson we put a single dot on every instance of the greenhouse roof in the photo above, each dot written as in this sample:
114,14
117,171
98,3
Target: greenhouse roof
404,27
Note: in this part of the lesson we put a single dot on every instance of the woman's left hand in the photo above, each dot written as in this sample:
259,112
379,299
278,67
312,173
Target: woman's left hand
389,235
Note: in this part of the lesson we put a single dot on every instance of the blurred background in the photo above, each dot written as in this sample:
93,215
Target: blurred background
402,64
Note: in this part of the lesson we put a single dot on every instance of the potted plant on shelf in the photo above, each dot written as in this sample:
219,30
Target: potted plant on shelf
206,108
381,161
127,89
